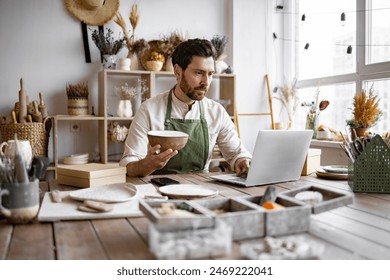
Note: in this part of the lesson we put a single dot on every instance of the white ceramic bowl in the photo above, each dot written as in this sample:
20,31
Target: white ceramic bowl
168,139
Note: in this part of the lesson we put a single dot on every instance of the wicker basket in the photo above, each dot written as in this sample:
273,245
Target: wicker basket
78,106
36,132
371,170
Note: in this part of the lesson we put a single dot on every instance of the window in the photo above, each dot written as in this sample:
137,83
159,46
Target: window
340,58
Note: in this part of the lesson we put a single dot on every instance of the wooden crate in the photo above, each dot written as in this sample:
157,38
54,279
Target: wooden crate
246,220
294,218
331,198
201,219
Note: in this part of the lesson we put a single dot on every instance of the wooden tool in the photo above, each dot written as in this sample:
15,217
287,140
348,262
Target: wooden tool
36,115
13,116
22,103
42,106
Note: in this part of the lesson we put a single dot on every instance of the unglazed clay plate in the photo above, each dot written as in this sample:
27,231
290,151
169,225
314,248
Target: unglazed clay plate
108,193
188,191
320,172
340,169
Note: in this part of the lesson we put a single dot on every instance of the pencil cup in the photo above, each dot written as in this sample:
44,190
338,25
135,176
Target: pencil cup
19,202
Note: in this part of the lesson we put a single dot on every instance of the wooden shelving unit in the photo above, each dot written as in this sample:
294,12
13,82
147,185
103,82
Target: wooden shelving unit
223,88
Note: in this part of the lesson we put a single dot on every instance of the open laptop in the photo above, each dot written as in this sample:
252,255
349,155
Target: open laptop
278,156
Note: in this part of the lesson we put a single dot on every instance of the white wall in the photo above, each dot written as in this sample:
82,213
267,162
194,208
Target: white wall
42,43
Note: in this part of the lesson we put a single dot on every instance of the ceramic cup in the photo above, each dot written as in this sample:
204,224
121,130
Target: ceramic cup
19,202
8,149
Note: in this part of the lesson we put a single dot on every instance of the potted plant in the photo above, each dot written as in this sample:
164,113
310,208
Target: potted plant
155,61
219,42
77,98
168,44
313,112
366,112
108,46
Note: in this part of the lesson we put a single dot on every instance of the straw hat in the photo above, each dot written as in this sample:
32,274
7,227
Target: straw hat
93,12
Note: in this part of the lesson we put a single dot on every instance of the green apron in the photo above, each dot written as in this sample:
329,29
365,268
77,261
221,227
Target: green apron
193,157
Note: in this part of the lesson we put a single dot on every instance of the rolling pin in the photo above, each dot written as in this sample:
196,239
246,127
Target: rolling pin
36,115
13,116
42,106
22,103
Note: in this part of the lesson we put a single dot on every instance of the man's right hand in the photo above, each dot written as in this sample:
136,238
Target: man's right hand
154,160
158,160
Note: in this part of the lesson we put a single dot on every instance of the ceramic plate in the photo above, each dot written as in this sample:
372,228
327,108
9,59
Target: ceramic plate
108,193
341,169
320,172
76,159
188,191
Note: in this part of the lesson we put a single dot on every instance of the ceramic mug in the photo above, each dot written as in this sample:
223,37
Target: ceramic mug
19,202
9,149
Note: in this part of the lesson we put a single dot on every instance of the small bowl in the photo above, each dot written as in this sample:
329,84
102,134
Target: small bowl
168,139
153,65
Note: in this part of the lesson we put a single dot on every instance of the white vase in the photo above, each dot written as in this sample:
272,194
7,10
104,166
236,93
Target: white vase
135,65
169,65
124,108
124,64
109,61
136,101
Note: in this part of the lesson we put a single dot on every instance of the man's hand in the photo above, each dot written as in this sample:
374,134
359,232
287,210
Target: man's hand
242,166
158,160
154,160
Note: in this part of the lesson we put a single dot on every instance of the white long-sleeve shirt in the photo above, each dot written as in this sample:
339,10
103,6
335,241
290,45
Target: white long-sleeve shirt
151,116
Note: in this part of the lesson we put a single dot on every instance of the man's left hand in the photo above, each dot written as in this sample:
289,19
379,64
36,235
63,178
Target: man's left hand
242,166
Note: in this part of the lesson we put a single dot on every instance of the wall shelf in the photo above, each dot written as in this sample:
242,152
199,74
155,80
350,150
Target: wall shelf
222,89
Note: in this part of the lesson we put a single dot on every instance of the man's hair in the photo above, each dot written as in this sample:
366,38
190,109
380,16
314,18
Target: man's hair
193,47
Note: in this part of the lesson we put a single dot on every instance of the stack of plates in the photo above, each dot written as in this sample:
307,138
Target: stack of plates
76,159
336,172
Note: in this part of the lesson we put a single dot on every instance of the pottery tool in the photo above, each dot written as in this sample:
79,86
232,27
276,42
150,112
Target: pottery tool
36,115
20,166
13,116
269,196
42,106
22,103
56,196
95,206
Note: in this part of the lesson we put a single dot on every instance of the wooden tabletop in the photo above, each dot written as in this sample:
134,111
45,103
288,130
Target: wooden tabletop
358,231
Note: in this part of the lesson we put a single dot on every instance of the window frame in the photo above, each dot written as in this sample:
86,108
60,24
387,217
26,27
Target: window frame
363,71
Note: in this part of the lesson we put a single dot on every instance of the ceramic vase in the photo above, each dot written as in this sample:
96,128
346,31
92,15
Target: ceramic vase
124,108
109,61
312,123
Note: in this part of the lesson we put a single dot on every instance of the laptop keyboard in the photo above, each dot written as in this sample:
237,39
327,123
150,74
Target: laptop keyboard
239,179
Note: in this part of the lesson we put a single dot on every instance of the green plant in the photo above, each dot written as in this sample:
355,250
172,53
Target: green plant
106,43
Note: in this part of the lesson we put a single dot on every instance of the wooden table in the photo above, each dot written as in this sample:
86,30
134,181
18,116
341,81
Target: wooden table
358,231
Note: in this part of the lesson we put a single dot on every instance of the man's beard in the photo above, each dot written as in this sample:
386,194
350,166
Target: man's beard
194,93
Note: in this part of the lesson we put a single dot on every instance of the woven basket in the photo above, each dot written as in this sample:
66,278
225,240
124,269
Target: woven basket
78,106
36,132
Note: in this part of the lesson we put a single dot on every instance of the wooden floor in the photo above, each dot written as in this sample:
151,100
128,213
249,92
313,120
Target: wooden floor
358,231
